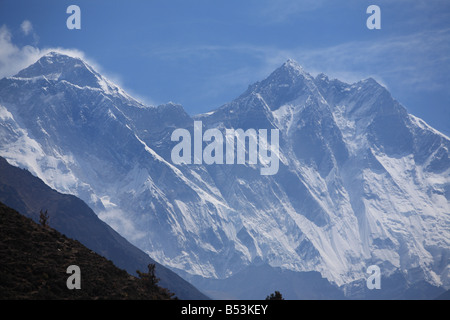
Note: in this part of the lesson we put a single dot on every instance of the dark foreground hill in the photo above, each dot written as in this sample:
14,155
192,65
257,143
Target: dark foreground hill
27,194
34,261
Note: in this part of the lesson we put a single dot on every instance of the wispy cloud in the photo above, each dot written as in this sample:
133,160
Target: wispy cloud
14,58
416,62
420,59
282,10
26,27
121,222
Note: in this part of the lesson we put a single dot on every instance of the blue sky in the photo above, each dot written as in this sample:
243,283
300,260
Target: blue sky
204,53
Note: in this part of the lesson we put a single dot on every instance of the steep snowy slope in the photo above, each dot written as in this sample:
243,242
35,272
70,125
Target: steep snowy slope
85,136
360,181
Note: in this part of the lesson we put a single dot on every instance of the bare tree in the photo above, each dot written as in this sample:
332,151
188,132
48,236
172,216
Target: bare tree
43,218
149,278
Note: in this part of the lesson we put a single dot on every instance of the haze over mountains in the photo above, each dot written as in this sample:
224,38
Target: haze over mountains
361,182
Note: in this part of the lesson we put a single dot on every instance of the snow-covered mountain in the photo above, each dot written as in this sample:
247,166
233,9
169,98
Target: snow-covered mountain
361,182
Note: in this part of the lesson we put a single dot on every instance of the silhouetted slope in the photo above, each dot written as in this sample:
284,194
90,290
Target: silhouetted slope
34,260
22,191
444,296
293,285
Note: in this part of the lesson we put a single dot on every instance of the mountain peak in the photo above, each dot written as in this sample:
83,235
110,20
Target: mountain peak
293,68
50,62
291,63
371,82
58,55
60,66
284,84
